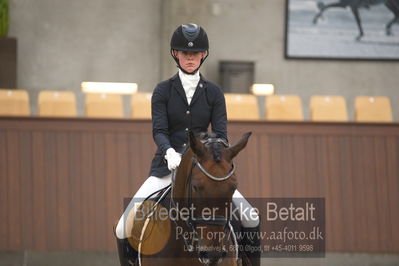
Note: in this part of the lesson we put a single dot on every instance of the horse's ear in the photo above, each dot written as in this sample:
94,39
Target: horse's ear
196,145
236,148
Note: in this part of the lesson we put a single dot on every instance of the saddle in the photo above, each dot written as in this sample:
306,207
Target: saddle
148,225
150,232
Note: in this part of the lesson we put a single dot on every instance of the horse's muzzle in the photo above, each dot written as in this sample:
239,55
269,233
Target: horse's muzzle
209,257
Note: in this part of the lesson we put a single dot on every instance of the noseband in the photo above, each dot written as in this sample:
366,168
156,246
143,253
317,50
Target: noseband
216,178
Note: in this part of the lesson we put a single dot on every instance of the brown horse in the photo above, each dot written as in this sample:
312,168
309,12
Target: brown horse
199,230
392,5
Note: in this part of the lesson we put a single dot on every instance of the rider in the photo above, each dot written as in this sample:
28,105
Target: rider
186,101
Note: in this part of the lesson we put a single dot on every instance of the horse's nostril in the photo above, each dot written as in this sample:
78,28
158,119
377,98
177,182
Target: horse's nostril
204,254
224,254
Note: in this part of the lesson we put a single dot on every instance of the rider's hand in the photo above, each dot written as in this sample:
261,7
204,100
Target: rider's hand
173,158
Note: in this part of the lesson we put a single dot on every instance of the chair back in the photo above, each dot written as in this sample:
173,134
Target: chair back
104,105
14,103
328,108
57,104
241,106
284,107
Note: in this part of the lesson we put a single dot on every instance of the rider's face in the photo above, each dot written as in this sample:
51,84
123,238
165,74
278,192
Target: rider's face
189,61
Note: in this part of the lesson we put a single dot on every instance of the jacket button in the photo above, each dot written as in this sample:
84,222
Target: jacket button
187,112
184,145
186,128
200,85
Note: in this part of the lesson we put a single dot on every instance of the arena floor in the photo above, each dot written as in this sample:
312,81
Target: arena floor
37,258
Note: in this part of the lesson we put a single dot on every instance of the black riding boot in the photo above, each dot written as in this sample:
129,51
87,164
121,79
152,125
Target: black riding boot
251,244
127,255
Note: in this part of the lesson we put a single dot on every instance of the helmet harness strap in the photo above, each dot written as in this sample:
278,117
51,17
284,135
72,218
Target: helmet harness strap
184,71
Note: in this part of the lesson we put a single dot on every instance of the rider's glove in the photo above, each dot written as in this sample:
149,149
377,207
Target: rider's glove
173,158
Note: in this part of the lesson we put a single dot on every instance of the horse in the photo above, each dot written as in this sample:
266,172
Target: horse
200,231
392,5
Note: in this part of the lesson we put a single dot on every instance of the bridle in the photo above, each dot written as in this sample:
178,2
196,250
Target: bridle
218,220
215,178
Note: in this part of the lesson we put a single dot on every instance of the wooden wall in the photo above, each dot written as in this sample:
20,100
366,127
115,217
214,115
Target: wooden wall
62,181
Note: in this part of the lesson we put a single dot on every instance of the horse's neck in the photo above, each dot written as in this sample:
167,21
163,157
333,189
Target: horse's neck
180,182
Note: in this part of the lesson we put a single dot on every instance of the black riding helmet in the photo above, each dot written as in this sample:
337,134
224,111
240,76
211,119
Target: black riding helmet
189,38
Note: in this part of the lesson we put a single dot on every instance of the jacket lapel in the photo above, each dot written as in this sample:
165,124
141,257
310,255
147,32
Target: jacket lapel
179,88
199,91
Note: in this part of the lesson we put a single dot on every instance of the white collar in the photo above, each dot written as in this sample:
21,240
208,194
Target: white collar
189,83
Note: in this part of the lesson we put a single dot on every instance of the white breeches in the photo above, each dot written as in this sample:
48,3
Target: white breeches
249,219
